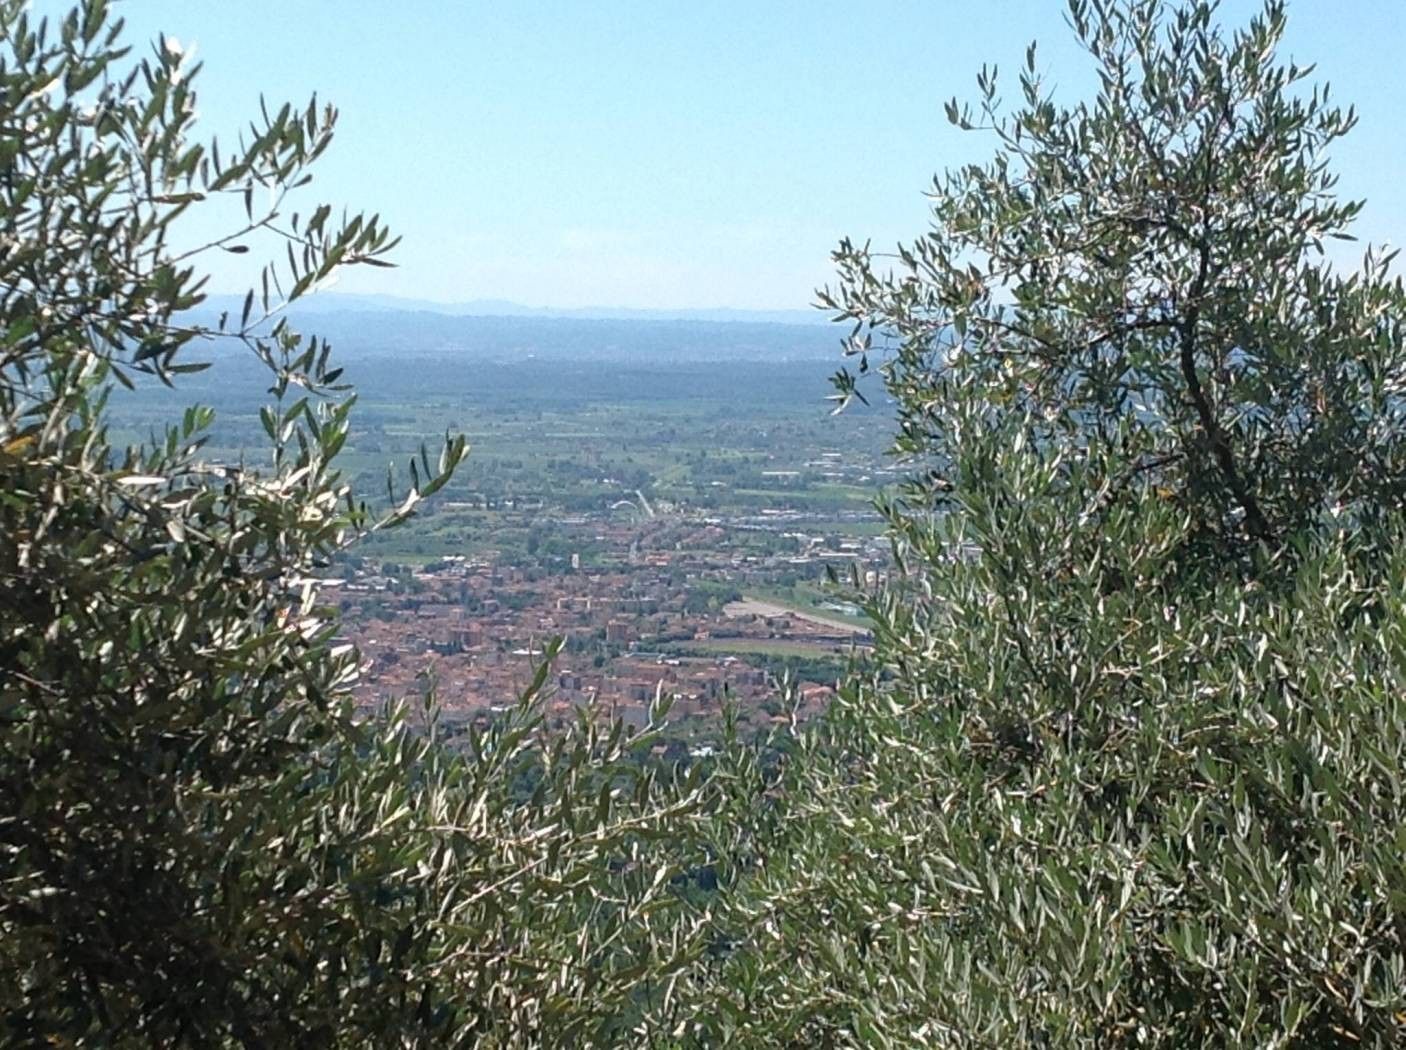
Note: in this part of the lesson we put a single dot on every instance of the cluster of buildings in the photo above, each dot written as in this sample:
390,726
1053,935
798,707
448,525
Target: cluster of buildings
477,632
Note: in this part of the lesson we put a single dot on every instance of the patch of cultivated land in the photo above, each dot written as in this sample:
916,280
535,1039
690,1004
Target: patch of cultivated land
760,647
750,606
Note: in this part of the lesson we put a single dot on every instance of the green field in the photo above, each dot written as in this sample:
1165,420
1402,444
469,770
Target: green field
559,442
808,597
758,647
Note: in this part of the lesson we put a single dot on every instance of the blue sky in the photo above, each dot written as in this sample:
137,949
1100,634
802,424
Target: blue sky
666,154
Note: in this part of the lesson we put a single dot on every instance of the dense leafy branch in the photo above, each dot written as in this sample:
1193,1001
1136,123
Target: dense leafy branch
202,843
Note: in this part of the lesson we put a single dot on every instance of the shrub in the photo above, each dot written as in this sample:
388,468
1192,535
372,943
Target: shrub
200,844
1127,769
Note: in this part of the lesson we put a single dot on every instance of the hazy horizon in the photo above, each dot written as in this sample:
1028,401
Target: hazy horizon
334,299
657,157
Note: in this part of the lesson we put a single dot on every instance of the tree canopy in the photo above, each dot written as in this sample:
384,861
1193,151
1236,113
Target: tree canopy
1125,767
199,842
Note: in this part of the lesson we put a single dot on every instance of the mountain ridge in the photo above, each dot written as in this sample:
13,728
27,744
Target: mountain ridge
367,326
347,302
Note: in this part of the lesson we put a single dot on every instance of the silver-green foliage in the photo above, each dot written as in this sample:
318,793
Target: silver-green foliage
1129,767
199,844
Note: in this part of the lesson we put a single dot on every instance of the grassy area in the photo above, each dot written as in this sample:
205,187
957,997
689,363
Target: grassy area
806,598
817,494
757,647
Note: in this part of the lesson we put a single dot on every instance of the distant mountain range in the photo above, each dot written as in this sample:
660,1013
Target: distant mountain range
336,302
372,325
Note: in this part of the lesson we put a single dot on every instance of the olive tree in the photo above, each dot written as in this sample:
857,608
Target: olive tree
1126,769
200,842
1145,273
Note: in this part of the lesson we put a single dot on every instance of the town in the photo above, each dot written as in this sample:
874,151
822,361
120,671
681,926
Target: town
672,608
675,523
